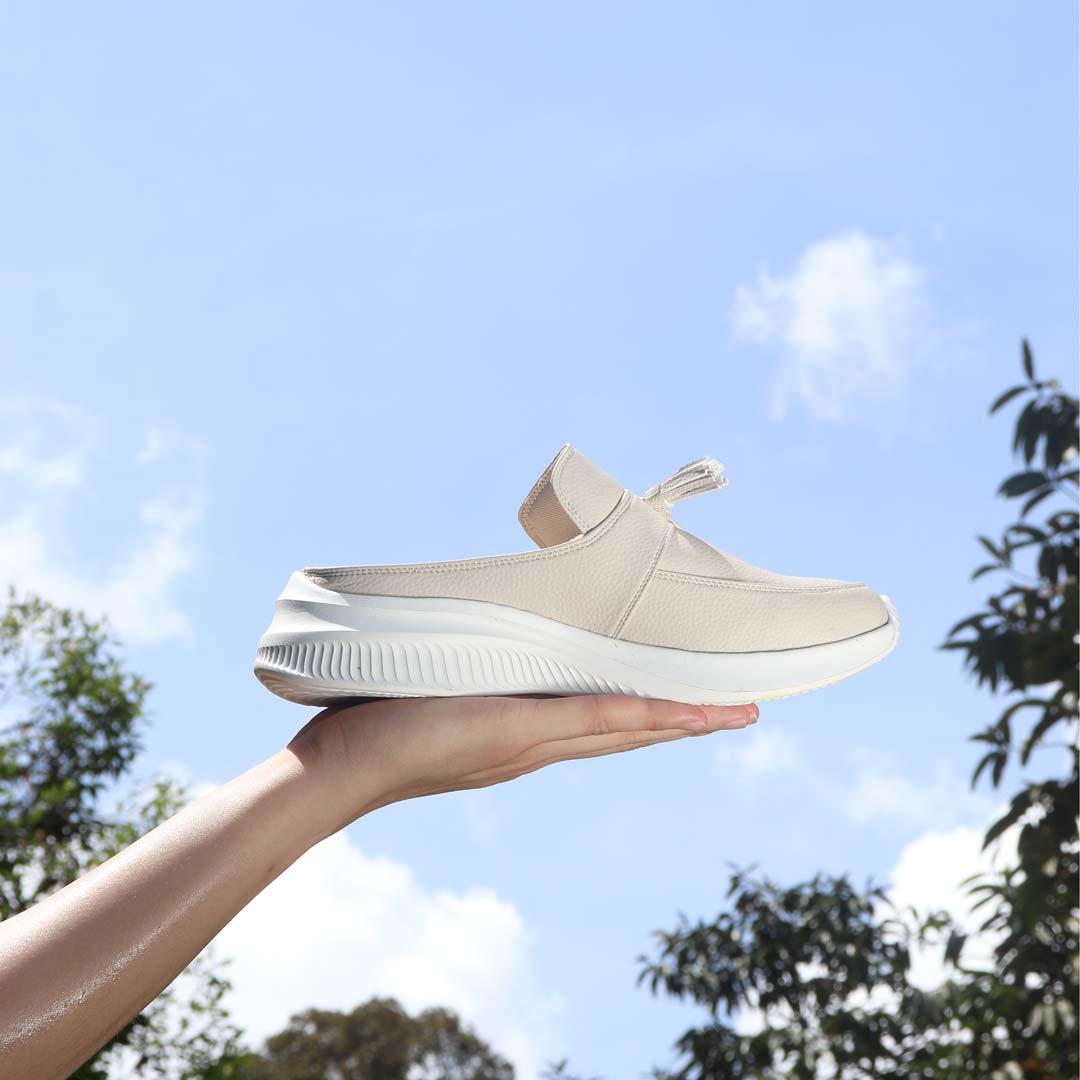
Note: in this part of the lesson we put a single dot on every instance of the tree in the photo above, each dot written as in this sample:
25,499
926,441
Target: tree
74,731
1024,640
826,975
376,1041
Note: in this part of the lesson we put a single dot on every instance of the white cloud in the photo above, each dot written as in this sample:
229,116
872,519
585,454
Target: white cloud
40,548
878,789
340,926
135,593
45,472
45,445
928,876
845,324
771,751
868,787
166,442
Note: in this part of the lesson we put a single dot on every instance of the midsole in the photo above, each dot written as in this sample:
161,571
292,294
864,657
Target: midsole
308,612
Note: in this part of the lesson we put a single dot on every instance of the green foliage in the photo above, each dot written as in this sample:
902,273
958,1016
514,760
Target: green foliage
822,969
74,730
73,733
1023,643
376,1041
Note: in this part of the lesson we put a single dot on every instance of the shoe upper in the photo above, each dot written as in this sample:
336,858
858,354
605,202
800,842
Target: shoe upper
618,564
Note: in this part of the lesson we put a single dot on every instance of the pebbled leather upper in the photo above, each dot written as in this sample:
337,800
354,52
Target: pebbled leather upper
612,563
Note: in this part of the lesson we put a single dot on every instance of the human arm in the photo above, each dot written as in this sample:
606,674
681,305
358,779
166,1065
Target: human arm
81,963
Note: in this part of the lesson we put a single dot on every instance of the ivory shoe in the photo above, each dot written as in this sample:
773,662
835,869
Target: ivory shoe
619,599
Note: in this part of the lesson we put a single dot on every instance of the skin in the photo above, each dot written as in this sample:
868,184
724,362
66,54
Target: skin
77,966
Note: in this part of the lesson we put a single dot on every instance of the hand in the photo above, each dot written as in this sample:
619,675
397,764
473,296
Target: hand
384,751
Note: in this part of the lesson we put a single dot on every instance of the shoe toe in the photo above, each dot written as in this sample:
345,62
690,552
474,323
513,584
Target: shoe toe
847,611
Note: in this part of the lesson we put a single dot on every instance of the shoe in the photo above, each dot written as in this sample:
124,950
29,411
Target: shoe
619,599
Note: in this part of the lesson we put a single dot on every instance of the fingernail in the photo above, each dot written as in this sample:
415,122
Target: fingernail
752,714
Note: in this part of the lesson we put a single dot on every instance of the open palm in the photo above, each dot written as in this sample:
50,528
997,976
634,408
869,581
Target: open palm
386,750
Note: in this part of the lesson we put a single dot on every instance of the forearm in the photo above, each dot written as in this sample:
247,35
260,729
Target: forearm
80,964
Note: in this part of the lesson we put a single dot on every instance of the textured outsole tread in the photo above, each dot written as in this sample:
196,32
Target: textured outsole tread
343,668
331,671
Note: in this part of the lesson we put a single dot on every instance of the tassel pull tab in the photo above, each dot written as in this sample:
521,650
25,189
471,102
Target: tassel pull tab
705,474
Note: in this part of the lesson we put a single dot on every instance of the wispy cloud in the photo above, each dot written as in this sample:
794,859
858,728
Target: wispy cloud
871,786
47,460
169,442
844,325
770,752
45,445
342,926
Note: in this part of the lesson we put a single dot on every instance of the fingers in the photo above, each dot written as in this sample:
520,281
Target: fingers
550,751
598,746
602,714
717,718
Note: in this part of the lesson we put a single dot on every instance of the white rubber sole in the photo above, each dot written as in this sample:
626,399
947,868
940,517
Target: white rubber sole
325,647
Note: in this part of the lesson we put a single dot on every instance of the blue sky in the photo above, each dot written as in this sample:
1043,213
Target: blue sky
287,286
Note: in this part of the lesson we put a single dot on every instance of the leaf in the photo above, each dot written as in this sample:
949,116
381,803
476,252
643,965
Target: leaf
973,621
1062,435
1035,500
1023,424
1028,530
1048,563
954,946
1049,719
1006,398
1016,706
1011,816
994,756
999,768
1029,360
1023,482
1036,428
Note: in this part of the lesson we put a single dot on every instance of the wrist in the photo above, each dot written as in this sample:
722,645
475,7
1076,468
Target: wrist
333,790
